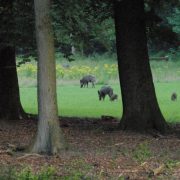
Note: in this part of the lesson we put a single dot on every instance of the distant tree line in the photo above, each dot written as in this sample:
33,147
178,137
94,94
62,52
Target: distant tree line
87,27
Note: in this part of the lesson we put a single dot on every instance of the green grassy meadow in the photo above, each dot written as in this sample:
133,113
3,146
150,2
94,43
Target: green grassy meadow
83,102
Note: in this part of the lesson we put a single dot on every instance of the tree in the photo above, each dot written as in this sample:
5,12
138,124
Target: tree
10,105
87,25
140,107
49,137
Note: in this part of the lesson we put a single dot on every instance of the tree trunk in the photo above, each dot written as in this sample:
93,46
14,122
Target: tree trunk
10,105
140,107
49,137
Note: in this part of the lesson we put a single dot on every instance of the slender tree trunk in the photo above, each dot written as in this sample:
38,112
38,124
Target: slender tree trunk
10,105
140,108
49,137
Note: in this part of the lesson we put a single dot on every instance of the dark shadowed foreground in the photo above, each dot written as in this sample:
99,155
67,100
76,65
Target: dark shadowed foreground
96,151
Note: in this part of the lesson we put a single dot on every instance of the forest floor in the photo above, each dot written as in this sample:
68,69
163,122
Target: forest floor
96,151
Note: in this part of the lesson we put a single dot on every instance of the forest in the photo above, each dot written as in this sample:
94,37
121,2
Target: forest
89,89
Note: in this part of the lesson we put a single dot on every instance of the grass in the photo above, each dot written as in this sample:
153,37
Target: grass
74,101
142,152
170,109
83,102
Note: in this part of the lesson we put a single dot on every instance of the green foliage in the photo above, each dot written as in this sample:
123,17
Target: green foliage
87,25
75,176
28,70
103,69
17,23
78,169
24,20
26,174
121,178
174,19
11,173
171,164
7,173
161,30
47,173
142,152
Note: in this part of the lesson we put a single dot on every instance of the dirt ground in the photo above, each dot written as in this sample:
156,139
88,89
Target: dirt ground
97,151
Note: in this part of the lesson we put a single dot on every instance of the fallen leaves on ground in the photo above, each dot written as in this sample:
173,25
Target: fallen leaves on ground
96,150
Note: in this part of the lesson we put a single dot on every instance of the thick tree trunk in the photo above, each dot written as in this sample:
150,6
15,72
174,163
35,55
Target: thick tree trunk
49,138
10,105
140,108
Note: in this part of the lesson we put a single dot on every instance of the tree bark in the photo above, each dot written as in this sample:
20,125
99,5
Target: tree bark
140,107
49,137
10,105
